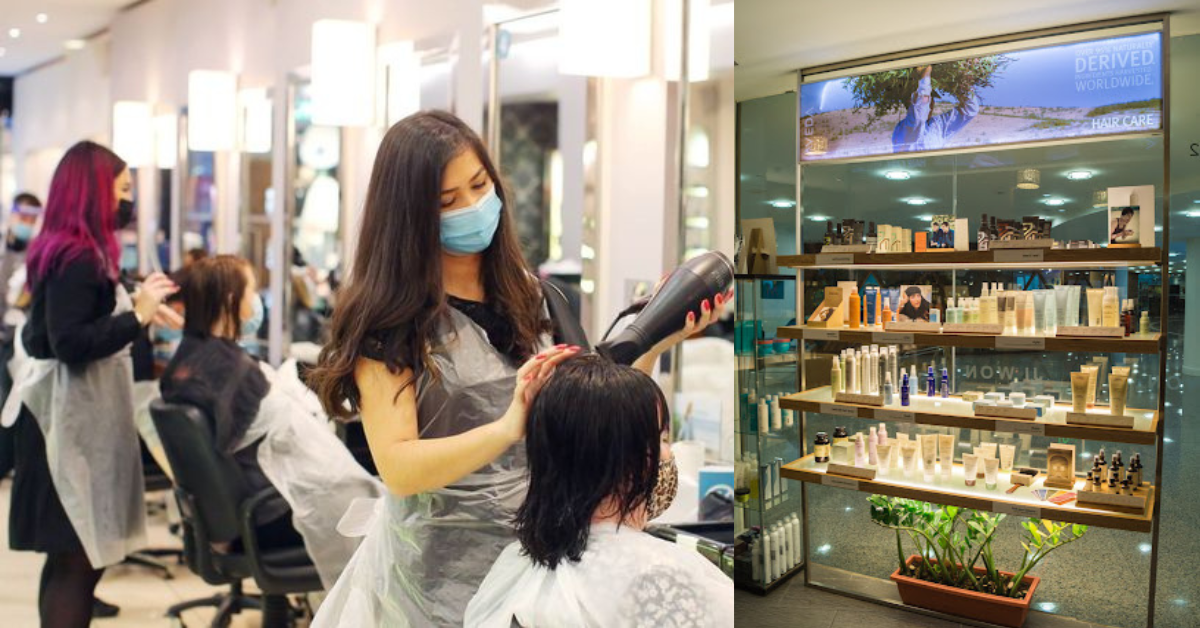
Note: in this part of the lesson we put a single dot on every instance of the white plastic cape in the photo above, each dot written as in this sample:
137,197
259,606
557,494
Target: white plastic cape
310,467
424,556
625,578
85,413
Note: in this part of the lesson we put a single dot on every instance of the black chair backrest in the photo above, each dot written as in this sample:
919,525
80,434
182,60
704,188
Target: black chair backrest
214,481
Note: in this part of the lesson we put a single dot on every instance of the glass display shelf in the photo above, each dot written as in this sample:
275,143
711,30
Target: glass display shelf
954,412
748,362
989,260
1021,503
1137,343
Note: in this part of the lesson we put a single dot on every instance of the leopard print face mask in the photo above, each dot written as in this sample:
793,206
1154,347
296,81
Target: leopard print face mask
664,489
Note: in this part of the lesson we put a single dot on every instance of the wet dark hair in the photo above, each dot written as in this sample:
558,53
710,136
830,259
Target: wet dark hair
911,291
1128,211
594,432
393,297
212,290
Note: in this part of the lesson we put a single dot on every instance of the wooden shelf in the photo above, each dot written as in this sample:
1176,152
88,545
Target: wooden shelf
997,259
1021,503
954,412
1132,344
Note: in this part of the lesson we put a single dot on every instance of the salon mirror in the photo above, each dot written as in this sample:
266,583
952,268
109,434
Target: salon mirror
257,201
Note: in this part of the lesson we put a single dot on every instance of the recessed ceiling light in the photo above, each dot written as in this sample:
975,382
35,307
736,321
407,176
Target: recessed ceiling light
14,32
818,218
1192,213
782,203
74,44
42,18
897,175
917,201
925,217
1054,201
1079,175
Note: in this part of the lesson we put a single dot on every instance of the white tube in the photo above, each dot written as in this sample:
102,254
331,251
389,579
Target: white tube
988,449
946,454
929,455
1079,387
969,463
1118,388
990,467
776,416
1093,371
1007,452
885,458
1095,301
1073,299
908,452
851,374
756,560
873,448
769,575
763,417
797,537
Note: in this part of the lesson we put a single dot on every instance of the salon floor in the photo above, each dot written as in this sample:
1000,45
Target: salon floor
143,595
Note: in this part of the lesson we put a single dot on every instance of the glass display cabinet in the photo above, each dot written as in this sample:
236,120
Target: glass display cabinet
1024,411
767,507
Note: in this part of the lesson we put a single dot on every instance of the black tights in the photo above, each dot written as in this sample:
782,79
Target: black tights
67,590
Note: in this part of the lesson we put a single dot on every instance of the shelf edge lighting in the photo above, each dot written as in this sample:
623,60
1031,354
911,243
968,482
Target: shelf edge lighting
166,141
605,39
212,110
133,133
343,73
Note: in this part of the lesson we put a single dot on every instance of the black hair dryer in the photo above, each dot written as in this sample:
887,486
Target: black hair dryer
702,277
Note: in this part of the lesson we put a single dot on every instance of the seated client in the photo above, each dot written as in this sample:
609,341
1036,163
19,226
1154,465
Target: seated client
599,469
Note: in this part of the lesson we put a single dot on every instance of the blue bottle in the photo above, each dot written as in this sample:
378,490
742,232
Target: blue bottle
930,383
945,383
904,390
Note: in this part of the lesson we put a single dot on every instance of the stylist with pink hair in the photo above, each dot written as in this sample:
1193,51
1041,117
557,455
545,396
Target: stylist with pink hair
77,496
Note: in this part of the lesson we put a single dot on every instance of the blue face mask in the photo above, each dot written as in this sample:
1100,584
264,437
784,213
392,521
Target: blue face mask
167,335
22,231
251,325
469,230
129,258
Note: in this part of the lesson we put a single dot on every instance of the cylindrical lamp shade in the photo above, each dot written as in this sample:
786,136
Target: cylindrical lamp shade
1029,179
608,39
256,121
343,73
133,133
166,141
1100,198
212,110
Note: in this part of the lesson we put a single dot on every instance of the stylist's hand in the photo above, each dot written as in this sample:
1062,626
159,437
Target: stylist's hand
531,378
710,311
168,318
151,294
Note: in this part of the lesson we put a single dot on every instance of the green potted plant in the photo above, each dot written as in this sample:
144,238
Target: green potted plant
954,568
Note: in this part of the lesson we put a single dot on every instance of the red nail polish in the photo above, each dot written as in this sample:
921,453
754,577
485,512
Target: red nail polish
541,357
560,346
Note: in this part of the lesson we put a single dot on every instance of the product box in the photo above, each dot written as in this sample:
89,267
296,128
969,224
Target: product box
962,237
831,313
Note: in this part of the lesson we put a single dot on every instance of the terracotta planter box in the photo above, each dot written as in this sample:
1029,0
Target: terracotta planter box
1003,611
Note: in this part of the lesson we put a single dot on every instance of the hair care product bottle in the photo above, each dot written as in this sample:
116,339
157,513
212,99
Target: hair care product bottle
821,448
851,374
764,417
945,383
887,389
839,435
930,383
828,232
983,233
904,400
872,238
1144,324
835,377
1127,316
1110,305
872,452
855,310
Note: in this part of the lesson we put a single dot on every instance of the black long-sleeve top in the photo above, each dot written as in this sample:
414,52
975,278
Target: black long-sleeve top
70,317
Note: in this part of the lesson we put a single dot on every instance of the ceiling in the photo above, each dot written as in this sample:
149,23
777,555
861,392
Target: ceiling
773,38
42,42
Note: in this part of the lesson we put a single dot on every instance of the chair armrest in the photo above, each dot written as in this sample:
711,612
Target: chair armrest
249,508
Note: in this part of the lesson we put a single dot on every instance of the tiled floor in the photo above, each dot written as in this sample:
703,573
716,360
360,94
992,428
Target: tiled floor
142,594
797,606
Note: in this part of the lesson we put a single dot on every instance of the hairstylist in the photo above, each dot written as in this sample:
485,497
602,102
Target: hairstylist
427,343
78,491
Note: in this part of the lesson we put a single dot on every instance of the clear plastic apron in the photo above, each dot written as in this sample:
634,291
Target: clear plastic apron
85,413
423,557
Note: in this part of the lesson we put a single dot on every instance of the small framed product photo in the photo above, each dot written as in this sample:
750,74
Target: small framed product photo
1131,216
941,233
915,304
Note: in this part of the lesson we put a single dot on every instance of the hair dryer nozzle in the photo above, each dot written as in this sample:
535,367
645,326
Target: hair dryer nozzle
702,277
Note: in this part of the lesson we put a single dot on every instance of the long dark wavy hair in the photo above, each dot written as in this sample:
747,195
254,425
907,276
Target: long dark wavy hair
394,293
594,432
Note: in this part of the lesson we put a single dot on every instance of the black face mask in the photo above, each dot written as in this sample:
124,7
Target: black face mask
124,213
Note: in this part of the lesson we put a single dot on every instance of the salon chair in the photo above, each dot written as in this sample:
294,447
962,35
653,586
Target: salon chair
216,507
151,558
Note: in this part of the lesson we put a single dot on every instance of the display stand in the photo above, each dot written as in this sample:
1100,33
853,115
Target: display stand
760,375
1136,513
